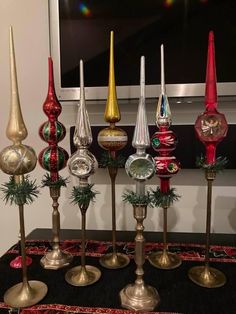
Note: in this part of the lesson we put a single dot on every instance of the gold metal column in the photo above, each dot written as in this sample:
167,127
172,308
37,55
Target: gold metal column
206,276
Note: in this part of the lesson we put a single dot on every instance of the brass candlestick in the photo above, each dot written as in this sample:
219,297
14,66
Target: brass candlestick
112,139
164,142
139,296
83,275
17,160
140,166
56,258
207,276
53,159
165,259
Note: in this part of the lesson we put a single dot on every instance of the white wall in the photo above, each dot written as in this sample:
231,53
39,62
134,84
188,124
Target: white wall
29,19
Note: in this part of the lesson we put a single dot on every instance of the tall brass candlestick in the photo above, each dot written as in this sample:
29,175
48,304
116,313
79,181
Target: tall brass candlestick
211,127
112,139
53,158
164,142
140,166
17,160
82,164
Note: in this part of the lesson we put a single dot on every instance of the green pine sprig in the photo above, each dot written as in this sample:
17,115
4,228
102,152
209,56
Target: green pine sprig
47,181
136,199
164,199
19,193
217,166
82,196
107,161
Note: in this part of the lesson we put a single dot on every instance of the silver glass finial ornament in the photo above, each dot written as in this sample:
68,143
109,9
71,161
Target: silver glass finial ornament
140,166
82,164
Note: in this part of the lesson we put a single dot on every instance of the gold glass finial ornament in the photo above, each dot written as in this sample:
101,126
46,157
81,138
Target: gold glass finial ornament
17,160
112,139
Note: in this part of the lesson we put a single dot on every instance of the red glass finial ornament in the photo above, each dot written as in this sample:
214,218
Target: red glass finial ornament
211,90
53,158
164,141
211,126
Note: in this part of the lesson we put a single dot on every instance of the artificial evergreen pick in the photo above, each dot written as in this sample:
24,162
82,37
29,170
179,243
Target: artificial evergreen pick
137,199
219,164
19,193
83,195
60,182
107,160
164,199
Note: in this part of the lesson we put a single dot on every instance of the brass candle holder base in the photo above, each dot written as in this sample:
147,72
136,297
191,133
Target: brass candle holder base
56,259
207,277
114,260
165,260
82,276
24,295
139,297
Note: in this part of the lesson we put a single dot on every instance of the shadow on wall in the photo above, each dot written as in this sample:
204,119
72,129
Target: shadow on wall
71,213
225,213
199,210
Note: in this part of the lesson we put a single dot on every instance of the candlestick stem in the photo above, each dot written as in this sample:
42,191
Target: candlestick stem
114,260
83,275
206,276
56,258
165,259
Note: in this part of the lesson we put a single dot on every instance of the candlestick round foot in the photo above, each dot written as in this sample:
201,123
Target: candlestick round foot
114,260
82,276
165,260
17,262
139,297
24,295
207,277
56,259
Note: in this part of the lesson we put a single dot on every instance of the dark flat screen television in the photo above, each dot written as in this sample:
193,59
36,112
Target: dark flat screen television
81,30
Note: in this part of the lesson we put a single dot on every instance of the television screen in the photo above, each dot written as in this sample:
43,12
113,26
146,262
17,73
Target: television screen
140,27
